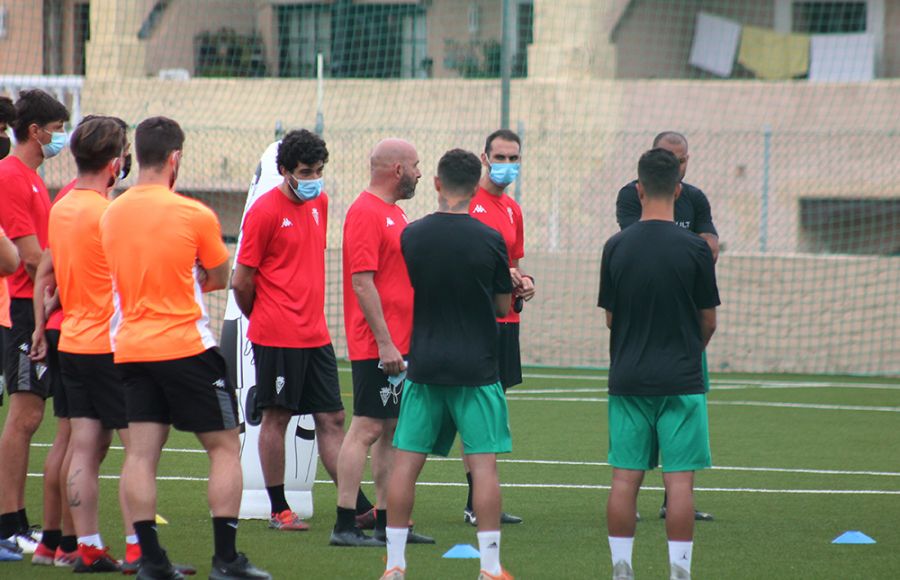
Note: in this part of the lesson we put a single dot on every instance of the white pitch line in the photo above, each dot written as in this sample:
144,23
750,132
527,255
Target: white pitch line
728,387
581,486
798,470
818,406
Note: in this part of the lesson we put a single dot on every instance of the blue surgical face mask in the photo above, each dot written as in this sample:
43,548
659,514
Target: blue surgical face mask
306,189
503,174
58,140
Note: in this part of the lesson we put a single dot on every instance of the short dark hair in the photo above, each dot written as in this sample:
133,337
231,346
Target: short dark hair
301,146
96,142
503,135
658,172
459,171
155,139
36,107
671,137
7,111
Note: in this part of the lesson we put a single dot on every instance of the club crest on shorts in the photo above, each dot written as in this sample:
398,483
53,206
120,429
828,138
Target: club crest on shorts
279,385
385,395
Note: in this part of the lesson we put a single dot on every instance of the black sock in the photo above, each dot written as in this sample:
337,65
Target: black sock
381,520
24,524
68,544
469,499
225,535
276,498
9,524
346,519
665,499
51,538
149,540
363,504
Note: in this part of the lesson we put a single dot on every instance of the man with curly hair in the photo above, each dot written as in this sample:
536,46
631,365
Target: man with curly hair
279,284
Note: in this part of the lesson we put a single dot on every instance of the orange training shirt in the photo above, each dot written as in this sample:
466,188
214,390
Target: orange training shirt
82,276
153,239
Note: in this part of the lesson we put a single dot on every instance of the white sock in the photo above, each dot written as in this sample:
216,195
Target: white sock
621,549
680,553
131,539
396,547
93,540
489,547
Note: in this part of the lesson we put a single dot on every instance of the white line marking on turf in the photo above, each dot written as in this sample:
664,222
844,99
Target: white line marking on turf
581,486
605,464
819,406
729,387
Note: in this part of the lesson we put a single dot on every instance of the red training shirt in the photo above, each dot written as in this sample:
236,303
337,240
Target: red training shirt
372,244
502,213
24,211
285,241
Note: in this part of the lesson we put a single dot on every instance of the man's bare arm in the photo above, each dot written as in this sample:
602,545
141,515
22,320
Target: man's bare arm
243,284
609,319
44,282
30,252
216,279
707,324
370,304
713,241
9,256
502,302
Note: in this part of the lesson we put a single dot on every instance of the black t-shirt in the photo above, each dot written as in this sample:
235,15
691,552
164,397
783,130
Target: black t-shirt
654,278
456,265
692,211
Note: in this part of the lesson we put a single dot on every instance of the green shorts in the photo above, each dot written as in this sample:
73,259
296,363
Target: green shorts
642,428
430,416
705,372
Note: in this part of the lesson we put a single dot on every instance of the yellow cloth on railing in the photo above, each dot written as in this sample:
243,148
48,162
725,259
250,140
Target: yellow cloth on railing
772,55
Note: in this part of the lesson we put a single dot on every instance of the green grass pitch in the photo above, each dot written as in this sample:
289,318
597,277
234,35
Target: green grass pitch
799,460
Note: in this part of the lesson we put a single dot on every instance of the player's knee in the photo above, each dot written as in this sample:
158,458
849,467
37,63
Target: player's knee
329,423
365,431
28,420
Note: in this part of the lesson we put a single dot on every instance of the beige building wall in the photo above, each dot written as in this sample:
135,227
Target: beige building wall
653,39
22,51
172,43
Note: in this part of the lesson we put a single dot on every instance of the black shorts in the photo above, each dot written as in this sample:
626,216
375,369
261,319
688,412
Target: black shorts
301,380
60,401
509,359
22,375
373,394
94,388
192,393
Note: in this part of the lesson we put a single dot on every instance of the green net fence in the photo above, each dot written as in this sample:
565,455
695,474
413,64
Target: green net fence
790,109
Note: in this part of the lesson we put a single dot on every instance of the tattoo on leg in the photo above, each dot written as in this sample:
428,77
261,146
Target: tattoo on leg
74,500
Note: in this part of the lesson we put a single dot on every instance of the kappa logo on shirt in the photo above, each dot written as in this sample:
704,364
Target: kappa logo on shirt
34,188
479,209
509,211
279,385
315,214
286,223
389,222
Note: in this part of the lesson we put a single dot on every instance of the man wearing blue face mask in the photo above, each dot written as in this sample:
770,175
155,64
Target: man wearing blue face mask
24,216
279,284
502,158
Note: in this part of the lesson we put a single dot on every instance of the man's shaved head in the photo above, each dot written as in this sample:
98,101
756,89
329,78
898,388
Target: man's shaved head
670,138
393,166
675,143
388,152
